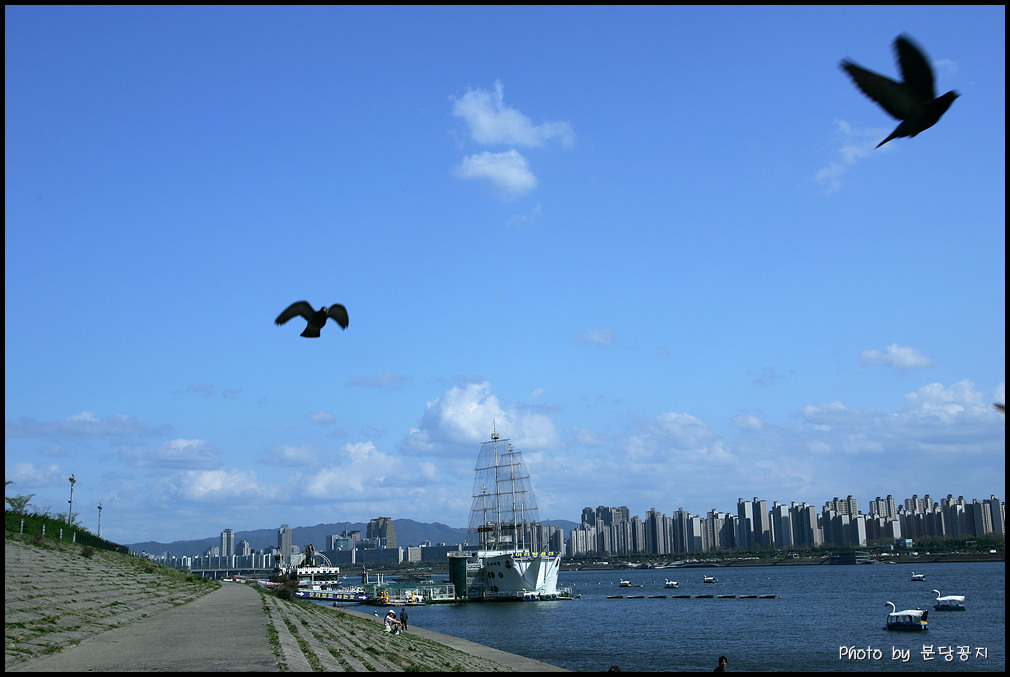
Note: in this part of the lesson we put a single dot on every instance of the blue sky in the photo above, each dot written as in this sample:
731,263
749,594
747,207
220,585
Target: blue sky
655,246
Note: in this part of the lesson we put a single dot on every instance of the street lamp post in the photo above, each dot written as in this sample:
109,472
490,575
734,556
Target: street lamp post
70,513
99,520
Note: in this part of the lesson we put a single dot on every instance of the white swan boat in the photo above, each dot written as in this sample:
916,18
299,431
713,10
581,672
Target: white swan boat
918,577
949,602
671,584
909,619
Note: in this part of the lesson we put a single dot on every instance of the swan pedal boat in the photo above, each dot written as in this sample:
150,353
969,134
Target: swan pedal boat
909,619
949,602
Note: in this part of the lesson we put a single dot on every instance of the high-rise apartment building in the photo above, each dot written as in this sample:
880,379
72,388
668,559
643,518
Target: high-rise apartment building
807,531
884,507
762,524
284,544
228,543
657,533
382,528
846,506
782,525
744,524
997,514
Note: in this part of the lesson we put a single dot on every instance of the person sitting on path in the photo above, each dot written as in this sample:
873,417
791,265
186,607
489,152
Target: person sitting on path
391,624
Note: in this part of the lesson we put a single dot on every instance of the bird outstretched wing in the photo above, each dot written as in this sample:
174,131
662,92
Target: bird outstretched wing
338,313
297,308
893,97
915,69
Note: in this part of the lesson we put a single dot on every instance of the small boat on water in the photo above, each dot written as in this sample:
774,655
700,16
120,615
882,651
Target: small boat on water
709,579
321,594
918,577
909,619
314,576
949,603
671,584
624,584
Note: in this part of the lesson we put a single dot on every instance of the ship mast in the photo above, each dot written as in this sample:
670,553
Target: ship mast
501,477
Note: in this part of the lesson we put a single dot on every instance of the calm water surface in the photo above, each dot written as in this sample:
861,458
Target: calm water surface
818,611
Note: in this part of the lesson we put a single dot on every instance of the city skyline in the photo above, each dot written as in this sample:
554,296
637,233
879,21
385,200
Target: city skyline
653,246
880,506
611,531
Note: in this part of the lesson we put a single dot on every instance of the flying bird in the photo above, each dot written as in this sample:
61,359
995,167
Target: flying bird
316,318
914,100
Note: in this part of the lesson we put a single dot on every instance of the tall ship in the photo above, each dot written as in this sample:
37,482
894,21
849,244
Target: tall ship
506,557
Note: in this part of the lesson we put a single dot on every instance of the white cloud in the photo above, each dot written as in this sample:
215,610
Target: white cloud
946,439
902,357
361,472
525,220
84,424
26,474
508,172
585,437
602,338
178,453
463,417
322,417
826,416
747,422
936,400
290,456
855,144
465,414
218,486
672,440
492,122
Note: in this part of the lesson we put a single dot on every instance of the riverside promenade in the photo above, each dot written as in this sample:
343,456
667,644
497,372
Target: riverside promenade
67,611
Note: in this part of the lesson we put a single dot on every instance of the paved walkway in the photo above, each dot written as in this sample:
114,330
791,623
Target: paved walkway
108,612
225,630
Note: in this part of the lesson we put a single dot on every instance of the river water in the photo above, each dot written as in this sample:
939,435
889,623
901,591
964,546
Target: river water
823,618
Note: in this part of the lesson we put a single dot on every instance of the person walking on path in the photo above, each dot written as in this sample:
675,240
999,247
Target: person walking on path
403,617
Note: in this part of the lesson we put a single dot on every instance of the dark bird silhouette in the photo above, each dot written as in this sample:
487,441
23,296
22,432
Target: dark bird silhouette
913,101
316,318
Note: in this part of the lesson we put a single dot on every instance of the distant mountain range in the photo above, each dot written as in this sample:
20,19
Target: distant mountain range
408,532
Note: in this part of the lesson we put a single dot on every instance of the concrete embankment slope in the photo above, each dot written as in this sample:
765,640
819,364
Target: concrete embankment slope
110,612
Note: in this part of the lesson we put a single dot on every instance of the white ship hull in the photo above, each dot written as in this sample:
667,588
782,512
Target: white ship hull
513,575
